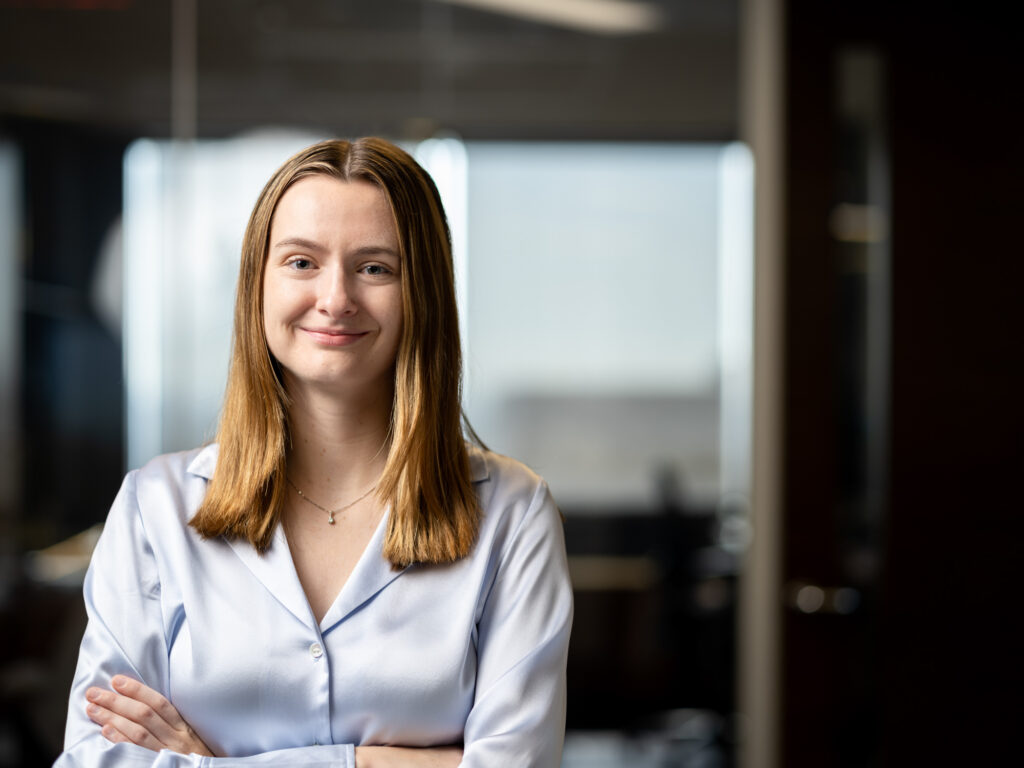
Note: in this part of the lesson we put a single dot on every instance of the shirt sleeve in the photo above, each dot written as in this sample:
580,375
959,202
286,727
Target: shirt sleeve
125,635
518,715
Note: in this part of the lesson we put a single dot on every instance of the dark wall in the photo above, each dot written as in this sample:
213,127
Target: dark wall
72,392
951,640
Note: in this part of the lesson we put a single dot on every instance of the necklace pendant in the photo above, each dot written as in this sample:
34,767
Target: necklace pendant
330,518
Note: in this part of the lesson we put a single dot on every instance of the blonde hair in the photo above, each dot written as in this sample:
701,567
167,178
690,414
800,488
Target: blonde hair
434,513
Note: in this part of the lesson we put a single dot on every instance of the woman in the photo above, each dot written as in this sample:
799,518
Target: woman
341,579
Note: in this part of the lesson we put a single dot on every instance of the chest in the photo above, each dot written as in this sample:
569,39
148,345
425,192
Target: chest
398,667
325,554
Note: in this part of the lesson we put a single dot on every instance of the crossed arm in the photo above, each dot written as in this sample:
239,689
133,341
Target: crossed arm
519,684
133,713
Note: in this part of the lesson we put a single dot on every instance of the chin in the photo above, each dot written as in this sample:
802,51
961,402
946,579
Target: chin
342,381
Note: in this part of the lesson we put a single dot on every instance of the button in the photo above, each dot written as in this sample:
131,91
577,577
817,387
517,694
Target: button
316,651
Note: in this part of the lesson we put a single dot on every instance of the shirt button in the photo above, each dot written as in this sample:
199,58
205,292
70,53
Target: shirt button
316,651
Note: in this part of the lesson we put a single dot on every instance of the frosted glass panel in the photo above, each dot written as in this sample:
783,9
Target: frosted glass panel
592,312
593,267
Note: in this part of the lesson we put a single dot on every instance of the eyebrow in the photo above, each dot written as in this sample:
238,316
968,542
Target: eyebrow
369,250
312,245
302,243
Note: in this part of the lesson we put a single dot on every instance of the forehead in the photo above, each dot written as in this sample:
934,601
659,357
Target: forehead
326,206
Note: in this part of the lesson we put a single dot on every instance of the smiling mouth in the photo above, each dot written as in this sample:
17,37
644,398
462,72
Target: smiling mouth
331,338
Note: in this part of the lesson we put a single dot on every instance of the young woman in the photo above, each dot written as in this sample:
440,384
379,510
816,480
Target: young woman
340,580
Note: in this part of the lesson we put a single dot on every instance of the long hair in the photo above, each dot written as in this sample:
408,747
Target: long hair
434,513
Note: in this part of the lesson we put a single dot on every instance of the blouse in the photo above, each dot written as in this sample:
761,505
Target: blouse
472,652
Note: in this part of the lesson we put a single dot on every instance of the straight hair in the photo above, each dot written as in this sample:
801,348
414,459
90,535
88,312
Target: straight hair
434,513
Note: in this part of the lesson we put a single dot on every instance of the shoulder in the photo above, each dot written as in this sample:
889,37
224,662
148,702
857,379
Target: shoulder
510,493
492,471
171,485
197,462
149,517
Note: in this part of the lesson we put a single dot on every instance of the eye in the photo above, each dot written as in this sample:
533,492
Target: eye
300,263
376,270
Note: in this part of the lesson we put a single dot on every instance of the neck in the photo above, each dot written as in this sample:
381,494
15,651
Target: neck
338,445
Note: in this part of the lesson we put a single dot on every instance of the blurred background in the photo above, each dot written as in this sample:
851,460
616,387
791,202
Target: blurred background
740,278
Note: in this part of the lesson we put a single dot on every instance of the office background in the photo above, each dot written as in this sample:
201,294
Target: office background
757,267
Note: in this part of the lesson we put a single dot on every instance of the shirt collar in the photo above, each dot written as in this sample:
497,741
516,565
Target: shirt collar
478,471
204,462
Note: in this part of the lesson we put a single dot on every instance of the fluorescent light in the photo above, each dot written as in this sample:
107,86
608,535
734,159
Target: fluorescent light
603,17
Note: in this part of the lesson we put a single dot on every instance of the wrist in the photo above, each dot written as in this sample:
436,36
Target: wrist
364,757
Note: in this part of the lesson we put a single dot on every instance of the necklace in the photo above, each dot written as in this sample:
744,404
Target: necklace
330,512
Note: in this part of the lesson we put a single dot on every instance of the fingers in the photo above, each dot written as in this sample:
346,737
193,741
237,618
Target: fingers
135,719
110,733
136,713
118,728
133,689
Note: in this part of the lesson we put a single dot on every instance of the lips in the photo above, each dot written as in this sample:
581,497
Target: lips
334,338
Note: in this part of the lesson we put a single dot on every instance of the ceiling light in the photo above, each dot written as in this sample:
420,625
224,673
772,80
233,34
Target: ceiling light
603,17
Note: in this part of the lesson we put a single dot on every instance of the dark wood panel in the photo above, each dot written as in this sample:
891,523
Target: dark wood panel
926,673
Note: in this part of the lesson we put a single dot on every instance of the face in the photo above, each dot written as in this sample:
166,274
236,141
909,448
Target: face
332,293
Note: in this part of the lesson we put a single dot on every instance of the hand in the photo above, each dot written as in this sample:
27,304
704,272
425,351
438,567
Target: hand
408,757
137,714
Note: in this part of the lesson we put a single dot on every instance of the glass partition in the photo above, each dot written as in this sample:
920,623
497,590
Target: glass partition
604,291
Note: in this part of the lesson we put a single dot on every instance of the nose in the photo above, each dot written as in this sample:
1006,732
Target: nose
335,296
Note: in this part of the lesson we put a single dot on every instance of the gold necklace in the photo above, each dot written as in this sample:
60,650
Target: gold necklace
330,512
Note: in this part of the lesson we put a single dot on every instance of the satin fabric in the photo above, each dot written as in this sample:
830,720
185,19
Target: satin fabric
472,652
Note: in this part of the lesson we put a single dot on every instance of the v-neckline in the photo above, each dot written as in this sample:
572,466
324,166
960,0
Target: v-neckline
371,573
275,569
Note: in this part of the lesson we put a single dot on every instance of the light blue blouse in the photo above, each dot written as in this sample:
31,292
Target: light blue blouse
471,652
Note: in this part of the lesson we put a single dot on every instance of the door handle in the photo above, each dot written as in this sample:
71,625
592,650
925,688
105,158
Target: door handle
805,597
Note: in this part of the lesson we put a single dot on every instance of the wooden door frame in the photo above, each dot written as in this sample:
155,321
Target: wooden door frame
762,128
948,634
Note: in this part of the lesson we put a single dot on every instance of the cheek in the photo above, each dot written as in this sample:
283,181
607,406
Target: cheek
268,314
268,333
268,300
270,336
281,303
275,316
